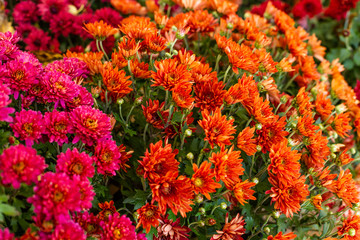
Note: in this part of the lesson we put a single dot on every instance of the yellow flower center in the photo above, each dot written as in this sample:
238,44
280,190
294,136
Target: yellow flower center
117,233
18,75
18,167
58,196
198,182
91,123
28,127
76,168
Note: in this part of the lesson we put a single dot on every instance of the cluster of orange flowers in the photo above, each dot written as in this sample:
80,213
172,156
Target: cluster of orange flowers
305,137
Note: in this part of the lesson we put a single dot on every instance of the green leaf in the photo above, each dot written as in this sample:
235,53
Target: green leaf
4,198
357,58
130,132
8,210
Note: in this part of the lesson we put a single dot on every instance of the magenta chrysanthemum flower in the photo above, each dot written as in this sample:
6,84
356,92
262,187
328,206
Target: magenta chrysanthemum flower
84,98
57,125
25,12
74,163
107,157
4,102
37,40
6,235
50,8
89,125
59,88
20,76
24,29
118,228
62,24
8,50
89,222
86,194
141,236
55,195
108,15
13,38
73,67
20,164
68,230
28,126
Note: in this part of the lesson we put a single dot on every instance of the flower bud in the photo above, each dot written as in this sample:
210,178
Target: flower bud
168,55
352,232
353,150
136,215
283,99
258,148
180,35
175,52
276,214
210,221
341,108
188,132
199,198
258,126
202,211
138,100
190,156
223,205
255,180
229,26
231,118
291,142
120,101
267,230
201,223
314,92
174,28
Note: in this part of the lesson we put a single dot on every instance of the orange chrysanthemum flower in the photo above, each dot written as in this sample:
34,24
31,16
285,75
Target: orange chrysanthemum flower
152,112
341,124
306,126
217,129
140,69
284,66
209,94
271,132
116,80
316,201
173,192
317,50
181,94
118,60
267,64
288,195
201,21
203,181
137,27
318,151
304,105
107,209
125,156
351,222
243,192
92,60
228,167
100,30
188,59
128,7
282,20
280,236
232,230
345,188
344,158
323,106
225,7
324,177
159,161
284,161
149,215
246,142
128,48
155,43
170,73
296,46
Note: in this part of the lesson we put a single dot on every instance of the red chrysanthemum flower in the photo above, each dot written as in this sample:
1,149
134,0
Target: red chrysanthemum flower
203,181
217,129
232,230
153,111
159,161
57,126
54,195
351,222
280,236
169,73
89,124
118,227
228,166
308,8
28,126
20,164
246,142
89,222
74,163
107,157
107,209
149,215
243,192
25,12
49,8
172,191
209,94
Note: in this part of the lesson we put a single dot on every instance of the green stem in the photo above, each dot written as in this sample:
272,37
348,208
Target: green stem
289,82
201,153
132,77
226,73
252,165
217,62
102,49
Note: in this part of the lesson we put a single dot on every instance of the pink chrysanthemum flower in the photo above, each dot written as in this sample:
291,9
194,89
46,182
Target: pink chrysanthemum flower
73,67
118,228
6,235
89,222
89,125
57,125
50,8
141,236
25,12
13,38
8,48
108,15
59,88
62,24
68,230
55,195
84,98
28,126
86,193
4,102
37,40
20,76
74,163
107,157
20,164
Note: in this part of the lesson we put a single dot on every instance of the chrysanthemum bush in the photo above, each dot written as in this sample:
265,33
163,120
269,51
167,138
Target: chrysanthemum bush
199,124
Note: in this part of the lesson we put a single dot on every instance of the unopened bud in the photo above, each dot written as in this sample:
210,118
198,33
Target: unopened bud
201,223
258,126
202,211
174,28
188,132
267,230
258,148
199,198
276,214
231,118
180,35
223,205
314,92
211,221
230,26
352,232
175,52
168,55
283,99
138,100
136,215
341,108
190,156
120,101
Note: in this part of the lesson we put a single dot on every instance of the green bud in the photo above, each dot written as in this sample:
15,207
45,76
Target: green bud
276,214
231,118
230,26
327,208
293,124
352,150
291,142
255,180
96,95
136,215
202,211
352,232
190,156
199,198
174,28
258,148
223,205
201,223
247,15
120,101
180,35
283,99
138,100
48,155
188,132
168,55
258,126
267,230
314,92
175,52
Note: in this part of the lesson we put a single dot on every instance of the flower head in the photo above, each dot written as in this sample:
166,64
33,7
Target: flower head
232,230
168,229
118,227
203,181
107,157
107,209
4,102
351,222
280,236
89,124
57,126
243,192
100,30
6,235
20,164
89,223
149,215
